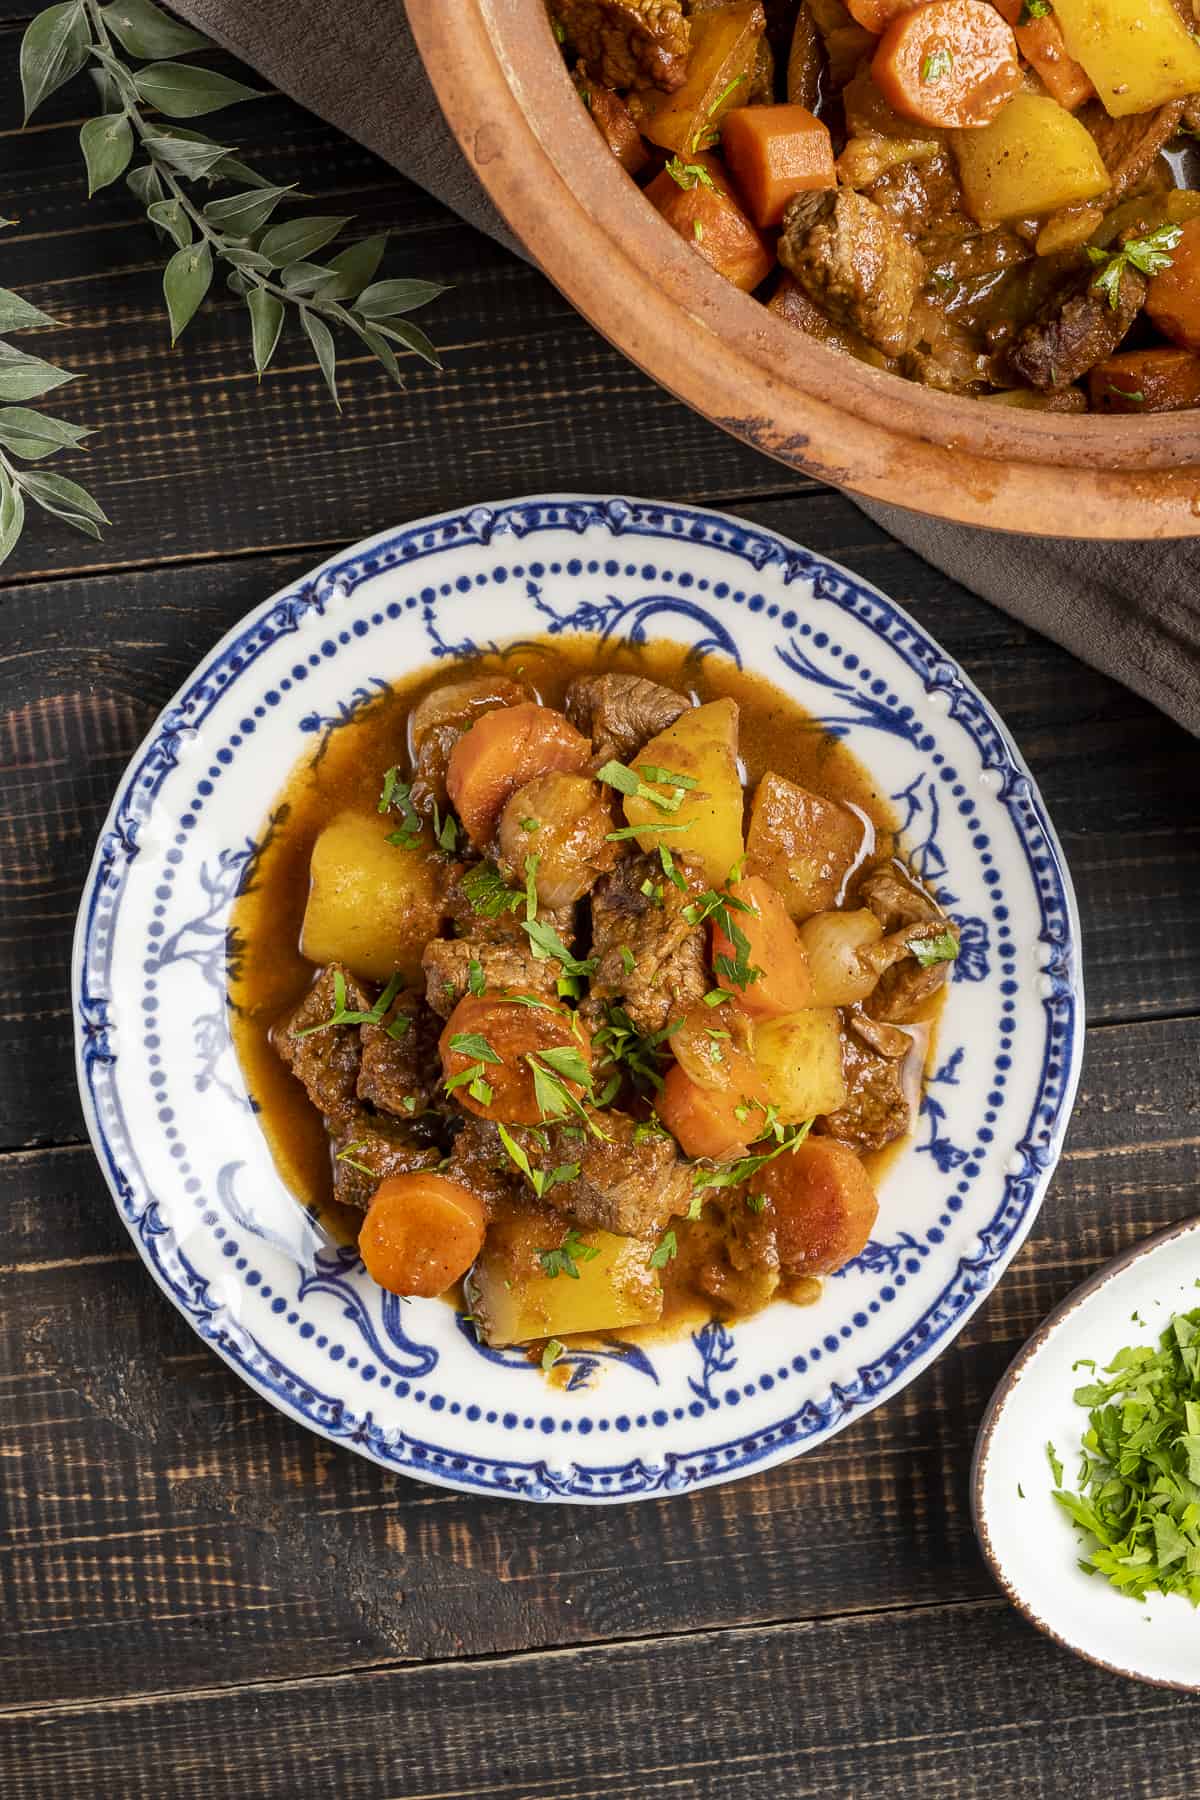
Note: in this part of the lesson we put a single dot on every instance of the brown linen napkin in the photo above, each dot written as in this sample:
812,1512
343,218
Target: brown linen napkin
1132,610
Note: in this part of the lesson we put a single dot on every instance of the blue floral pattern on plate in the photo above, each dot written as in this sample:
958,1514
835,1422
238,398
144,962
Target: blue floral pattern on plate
404,1381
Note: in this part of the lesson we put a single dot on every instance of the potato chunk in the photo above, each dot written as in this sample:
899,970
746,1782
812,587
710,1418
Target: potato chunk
514,1299
724,46
803,844
1138,53
1032,159
702,746
371,905
799,1057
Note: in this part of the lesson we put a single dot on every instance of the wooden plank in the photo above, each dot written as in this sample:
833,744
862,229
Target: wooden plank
89,662
156,1509
940,1703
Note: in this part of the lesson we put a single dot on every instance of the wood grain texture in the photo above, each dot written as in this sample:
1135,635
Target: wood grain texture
185,1513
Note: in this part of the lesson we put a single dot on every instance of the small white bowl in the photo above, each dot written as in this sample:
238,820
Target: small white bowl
1030,1544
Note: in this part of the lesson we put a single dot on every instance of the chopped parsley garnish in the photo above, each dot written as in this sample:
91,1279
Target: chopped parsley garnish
567,1062
669,869
937,65
476,981
736,969
400,1026
756,1202
345,1156
551,1071
632,831
546,942
562,1261
1150,255
540,1180
628,960
746,1166
550,1355
628,782
1137,395
445,830
472,1078
342,1016
1055,1461
398,794
488,894
697,231
649,1128
531,869
619,1041
1139,1480
939,949
531,824
665,777
666,1248
474,1045
690,175
717,996
1034,9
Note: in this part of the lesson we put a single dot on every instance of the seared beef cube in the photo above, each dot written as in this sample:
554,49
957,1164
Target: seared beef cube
1075,330
621,713
627,43
649,957
628,1182
894,900
877,1108
1131,146
480,1163
326,1061
367,1148
855,263
401,1069
484,909
900,906
506,968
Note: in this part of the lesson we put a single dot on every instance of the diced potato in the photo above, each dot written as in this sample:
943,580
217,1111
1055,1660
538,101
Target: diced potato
799,1056
701,744
1068,229
719,72
804,844
371,905
1138,53
514,1300
832,941
1032,159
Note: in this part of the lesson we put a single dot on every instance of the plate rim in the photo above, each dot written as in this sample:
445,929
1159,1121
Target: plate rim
606,507
1001,1395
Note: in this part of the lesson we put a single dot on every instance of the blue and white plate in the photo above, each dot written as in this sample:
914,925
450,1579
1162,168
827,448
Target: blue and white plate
400,1380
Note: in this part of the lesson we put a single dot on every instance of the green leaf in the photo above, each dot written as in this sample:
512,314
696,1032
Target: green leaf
146,182
12,515
355,266
144,31
239,283
17,314
245,213
231,168
244,258
26,377
186,280
383,350
107,87
413,338
65,499
387,298
107,145
305,277
54,48
184,155
120,82
266,323
299,238
34,434
170,217
321,339
184,91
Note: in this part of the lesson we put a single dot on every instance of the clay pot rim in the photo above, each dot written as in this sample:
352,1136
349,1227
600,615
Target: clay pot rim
506,93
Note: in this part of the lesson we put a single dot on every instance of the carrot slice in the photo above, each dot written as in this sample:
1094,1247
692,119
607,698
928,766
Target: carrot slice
952,63
693,197
784,984
421,1233
1173,297
774,153
1145,381
704,1121
823,1204
877,15
486,1047
500,753
1040,41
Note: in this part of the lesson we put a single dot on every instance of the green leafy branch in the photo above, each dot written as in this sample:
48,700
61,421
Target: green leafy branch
143,93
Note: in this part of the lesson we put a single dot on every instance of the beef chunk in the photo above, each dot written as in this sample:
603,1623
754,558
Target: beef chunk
367,1148
740,1269
903,908
627,43
328,1061
480,1163
484,921
627,1183
670,968
507,968
401,1069
1077,328
439,719
894,900
621,712
855,262
1131,146
877,1107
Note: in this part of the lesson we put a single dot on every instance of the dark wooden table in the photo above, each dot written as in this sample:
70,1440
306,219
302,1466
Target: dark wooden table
201,1599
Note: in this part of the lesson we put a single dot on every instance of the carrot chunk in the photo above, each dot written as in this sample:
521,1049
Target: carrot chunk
1173,297
1145,381
1040,41
500,753
776,950
694,198
952,63
514,1062
775,152
421,1233
823,1203
704,1121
